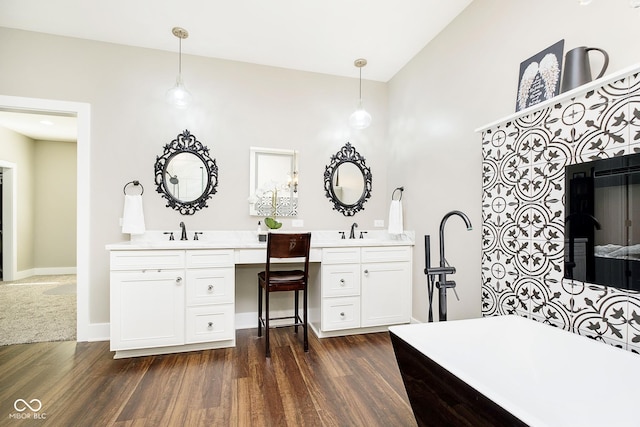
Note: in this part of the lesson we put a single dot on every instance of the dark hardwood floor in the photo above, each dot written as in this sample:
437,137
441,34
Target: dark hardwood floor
346,381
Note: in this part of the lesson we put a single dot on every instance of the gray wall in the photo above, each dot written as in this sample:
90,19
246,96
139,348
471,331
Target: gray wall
46,202
237,105
55,206
468,77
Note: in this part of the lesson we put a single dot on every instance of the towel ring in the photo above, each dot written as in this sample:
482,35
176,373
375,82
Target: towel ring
135,183
401,189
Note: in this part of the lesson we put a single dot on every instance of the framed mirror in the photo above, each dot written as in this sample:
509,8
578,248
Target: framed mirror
347,181
273,182
185,175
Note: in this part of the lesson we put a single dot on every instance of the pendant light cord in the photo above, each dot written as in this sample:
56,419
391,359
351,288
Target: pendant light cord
180,58
360,84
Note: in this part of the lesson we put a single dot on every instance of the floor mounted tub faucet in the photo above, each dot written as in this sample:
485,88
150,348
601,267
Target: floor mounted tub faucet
441,272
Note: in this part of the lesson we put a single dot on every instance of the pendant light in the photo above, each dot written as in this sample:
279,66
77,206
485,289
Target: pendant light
360,119
179,96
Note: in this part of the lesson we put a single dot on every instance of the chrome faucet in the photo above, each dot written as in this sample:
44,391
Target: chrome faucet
441,272
352,234
183,235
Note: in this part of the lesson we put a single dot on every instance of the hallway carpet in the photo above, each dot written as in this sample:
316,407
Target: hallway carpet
38,309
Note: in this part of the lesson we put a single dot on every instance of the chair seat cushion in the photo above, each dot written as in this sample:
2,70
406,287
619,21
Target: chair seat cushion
283,276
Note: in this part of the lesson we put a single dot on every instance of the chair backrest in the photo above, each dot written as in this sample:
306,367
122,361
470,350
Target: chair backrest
288,245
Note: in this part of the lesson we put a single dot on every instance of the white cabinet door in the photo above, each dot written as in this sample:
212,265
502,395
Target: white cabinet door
147,309
386,293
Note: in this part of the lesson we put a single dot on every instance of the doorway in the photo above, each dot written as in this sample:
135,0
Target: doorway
82,113
39,302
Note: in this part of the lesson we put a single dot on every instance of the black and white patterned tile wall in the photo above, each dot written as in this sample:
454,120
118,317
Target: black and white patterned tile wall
523,212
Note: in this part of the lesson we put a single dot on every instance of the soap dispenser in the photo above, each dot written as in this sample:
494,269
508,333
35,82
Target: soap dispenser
262,236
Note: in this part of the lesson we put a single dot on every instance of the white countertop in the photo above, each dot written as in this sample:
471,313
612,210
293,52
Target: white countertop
543,375
249,240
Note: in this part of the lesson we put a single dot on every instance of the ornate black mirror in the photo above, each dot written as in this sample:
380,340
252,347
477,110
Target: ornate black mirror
347,181
185,175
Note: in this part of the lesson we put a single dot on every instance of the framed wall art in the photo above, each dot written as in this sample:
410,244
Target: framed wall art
539,78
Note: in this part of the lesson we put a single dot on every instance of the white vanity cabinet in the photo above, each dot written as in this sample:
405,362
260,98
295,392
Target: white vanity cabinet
147,299
179,296
171,300
386,285
363,289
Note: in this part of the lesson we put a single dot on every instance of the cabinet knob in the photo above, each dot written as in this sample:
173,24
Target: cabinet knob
210,288
342,282
179,280
342,314
210,325
366,272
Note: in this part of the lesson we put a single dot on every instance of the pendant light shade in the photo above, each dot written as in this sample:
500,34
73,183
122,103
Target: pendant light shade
360,119
178,95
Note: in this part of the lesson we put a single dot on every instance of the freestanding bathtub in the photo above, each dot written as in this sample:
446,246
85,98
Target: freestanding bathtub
512,371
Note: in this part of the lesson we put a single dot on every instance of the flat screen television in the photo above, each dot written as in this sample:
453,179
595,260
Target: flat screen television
602,222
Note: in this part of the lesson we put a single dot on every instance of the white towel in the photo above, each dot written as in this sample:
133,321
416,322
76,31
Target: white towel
133,216
395,217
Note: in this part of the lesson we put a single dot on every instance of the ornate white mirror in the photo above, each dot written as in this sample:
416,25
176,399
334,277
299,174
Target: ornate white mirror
273,182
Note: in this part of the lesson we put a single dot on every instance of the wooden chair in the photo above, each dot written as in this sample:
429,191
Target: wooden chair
284,245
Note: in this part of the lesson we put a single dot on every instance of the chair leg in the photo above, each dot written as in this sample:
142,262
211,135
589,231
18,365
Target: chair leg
259,310
296,314
266,323
305,321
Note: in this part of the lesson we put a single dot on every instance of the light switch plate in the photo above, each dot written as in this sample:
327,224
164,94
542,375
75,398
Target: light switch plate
297,223
378,223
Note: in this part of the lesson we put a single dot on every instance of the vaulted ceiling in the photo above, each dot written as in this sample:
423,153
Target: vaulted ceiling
323,36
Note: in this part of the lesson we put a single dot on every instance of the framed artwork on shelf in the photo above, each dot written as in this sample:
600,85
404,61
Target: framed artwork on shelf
539,77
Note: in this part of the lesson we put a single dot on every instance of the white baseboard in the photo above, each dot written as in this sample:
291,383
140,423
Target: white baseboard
247,320
54,270
47,271
98,332
23,274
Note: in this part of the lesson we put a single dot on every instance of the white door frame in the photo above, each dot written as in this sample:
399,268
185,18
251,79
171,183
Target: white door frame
9,215
82,111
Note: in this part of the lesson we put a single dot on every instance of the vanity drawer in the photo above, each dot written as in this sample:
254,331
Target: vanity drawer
340,280
210,286
340,313
146,260
386,253
210,258
210,323
340,255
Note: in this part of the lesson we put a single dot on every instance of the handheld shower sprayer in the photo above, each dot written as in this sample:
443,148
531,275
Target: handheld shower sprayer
444,268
